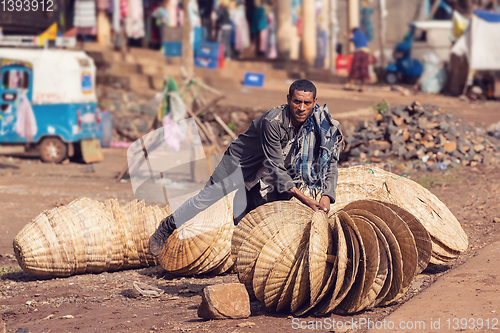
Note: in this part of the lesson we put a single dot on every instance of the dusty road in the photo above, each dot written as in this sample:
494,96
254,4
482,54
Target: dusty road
103,302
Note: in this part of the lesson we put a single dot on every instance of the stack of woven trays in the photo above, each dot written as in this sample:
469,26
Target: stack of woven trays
297,260
88,236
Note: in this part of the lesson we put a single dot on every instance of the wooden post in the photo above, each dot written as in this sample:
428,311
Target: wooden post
332,40
434,9
381,31
187,59
308,31
103,28
325,26
284,27
352,18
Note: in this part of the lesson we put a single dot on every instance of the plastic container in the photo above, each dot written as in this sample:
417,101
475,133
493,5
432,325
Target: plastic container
208,50
343,64
253,79
172,49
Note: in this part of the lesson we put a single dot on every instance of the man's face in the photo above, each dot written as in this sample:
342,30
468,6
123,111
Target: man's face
301,105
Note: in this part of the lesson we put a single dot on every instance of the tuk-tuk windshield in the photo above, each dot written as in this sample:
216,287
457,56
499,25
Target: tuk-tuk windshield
15,79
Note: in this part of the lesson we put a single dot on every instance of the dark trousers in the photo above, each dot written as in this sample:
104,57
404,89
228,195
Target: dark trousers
226,178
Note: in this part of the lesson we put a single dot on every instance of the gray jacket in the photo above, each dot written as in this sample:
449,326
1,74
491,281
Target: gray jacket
264,141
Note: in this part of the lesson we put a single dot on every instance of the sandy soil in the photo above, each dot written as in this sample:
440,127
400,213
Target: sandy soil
104,303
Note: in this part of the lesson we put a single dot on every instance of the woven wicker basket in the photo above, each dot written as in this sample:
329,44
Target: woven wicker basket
88,236
202,244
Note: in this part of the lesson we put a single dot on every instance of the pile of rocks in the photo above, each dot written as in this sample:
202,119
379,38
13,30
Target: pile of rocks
425,133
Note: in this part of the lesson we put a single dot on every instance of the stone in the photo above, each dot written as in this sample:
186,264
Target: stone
398,121
224,301
479,148
379,145
496,220
450,146
428,137
428,144
406,135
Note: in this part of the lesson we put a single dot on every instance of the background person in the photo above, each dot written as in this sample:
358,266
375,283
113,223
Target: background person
360,61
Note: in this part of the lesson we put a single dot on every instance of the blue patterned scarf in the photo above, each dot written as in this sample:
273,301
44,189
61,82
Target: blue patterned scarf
318,141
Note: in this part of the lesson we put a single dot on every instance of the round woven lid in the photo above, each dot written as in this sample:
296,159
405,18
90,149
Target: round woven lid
396,284
382,282
268,255
420,234
402,233
285,298
294,243
328,298
353,295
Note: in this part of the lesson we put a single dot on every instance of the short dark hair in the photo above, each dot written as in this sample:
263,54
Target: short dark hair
302,85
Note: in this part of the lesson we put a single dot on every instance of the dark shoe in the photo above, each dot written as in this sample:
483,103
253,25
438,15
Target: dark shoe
159,238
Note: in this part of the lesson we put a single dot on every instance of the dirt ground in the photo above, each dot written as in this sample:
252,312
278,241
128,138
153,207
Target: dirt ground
104,303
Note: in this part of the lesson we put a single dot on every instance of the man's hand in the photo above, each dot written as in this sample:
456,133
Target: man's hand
324,203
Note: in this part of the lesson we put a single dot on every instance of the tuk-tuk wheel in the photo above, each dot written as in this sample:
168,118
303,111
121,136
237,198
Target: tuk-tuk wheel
391,78
53,150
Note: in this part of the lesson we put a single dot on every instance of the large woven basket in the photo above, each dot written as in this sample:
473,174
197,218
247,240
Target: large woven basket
202,244
363,182
88,236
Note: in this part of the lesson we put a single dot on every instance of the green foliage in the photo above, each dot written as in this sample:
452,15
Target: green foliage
382,107
232,126
6,270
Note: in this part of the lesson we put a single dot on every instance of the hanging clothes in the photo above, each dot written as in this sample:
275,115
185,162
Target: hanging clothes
26,123
272,49
134,23
103,4
296,8
321,46
224,29
241,28
85,14
366,24
172,13
259,22
263,40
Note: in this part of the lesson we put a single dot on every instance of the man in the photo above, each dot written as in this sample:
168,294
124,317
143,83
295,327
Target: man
296,145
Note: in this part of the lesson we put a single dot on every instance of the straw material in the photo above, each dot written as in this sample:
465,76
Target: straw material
201,244
281,272
87,236
350,302
420,234
372,251
285,298
363,182
396,284
365,252
328,297
382,282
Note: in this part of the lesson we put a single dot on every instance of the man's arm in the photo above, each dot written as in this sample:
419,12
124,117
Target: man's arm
271,145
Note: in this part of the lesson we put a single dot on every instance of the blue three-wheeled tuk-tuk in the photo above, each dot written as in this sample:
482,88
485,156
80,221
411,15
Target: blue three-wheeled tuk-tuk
48,101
